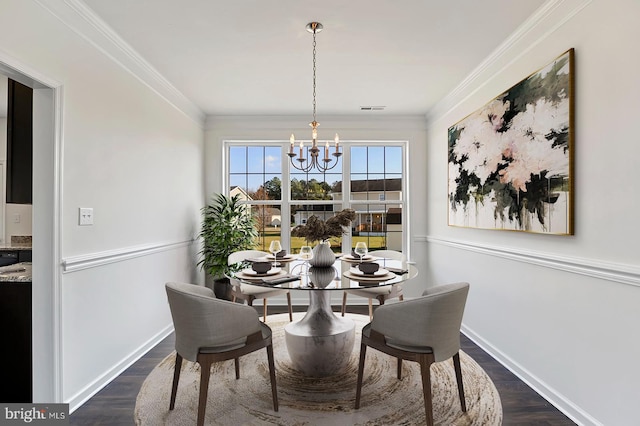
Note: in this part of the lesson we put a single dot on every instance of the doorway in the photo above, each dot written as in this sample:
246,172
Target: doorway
45,228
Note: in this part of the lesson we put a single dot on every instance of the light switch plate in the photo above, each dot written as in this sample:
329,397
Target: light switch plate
85,216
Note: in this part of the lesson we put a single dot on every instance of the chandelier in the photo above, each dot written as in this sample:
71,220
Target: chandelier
304,164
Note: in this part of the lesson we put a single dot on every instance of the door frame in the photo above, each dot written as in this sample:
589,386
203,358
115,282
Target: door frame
46,228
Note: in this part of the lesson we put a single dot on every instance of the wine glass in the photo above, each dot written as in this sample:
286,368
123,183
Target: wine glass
361,249
306,254
275,247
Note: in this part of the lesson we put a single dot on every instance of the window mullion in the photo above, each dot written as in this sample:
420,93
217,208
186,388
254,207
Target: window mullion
285,200
346,193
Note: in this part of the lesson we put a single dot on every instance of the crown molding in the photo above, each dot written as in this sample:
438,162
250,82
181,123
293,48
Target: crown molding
546,20
300,122
76,15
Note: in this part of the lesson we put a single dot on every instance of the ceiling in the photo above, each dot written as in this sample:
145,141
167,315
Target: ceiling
254,57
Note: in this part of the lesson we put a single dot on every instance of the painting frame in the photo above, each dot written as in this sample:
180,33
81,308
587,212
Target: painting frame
510,162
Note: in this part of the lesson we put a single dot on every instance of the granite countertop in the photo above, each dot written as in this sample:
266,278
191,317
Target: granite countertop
15,246
18,272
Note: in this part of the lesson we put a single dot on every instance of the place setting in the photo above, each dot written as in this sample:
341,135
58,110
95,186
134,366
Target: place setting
279,256
267,270
358,254
368,272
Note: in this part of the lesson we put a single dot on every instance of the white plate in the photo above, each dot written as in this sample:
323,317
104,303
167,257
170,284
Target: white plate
285,258
351,258
372,278
253,273
356,271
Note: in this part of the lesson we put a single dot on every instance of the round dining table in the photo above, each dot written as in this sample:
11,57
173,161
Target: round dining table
321,343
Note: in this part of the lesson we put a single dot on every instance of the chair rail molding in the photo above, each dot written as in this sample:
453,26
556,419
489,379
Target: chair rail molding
92,260
616,272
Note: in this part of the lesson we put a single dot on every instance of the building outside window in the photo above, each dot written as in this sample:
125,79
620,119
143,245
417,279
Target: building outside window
369,178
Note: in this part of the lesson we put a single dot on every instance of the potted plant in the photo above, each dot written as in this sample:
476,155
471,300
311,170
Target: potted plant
318,230
227,226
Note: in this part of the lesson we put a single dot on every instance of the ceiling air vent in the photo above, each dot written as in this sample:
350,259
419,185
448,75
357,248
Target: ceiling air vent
372,108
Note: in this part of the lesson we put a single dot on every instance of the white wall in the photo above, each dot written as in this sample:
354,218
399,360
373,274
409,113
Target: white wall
137,161
365,127
562,312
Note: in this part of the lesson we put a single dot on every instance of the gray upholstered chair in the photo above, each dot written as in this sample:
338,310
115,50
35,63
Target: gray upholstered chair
382,294
210,330
251,292
424,330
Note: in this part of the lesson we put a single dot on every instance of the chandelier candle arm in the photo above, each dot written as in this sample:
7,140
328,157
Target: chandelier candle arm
313,162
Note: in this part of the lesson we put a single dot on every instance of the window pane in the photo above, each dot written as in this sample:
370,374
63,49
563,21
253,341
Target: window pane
255,159
237,182
301,213
378,226
269,224
273,159
393,160
238,159
306,187
358,159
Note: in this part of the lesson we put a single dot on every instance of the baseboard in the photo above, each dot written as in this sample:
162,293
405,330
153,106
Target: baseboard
94,387
554,397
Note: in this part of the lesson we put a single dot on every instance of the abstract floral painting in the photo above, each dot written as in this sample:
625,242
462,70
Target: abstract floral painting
510,162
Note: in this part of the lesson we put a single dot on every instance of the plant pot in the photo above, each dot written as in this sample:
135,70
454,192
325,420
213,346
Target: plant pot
323,257
222,288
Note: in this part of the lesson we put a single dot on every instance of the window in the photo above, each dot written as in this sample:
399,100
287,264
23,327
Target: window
369,178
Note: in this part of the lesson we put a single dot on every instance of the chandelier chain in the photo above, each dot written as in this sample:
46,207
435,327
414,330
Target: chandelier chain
325,163
314,74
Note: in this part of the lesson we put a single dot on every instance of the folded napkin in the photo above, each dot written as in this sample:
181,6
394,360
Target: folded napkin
281,279
397,271
281,254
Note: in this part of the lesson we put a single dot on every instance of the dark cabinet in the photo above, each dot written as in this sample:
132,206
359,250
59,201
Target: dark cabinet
15,331
24,255
19,143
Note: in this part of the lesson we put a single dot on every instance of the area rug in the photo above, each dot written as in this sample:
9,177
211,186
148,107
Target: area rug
318,401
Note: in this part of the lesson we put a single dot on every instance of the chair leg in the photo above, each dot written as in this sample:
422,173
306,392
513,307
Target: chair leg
456,367
290,310
205,371
425,370
264,310
344,302
363,352
370,309
236,361
176,379
399,369
272,377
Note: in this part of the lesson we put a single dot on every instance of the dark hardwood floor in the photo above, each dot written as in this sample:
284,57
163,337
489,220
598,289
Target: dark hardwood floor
114,404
